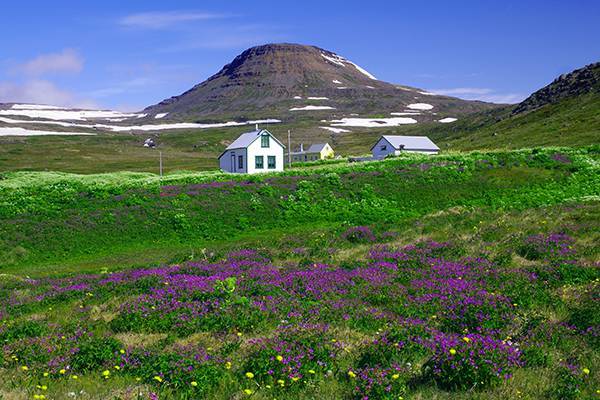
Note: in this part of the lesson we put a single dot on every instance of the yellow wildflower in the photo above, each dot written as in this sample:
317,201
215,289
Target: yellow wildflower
466,339
75,377
62,371
122,351
279,358
249,375
194,383
452,351
158,379
281,382
395,376
117,367
586,371
228,365
351,374
106,373
248,391
44,387
295,378
25,368
239,333
311,371
46,374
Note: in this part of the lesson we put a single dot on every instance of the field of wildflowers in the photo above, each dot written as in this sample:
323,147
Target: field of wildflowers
468,297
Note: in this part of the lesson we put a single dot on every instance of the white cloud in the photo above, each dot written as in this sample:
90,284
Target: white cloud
165,19
462,91
41,92
483,94
67,61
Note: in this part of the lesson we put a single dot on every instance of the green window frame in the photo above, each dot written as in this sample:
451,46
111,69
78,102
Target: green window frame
264,141
259,162
271,162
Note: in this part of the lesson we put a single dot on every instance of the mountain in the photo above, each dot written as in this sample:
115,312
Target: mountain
579,82
278,79
564,113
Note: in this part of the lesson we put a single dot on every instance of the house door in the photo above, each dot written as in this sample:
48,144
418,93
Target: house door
233,162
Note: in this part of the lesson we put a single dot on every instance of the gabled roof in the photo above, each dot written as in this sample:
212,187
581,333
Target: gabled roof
246,139
316,148
409,142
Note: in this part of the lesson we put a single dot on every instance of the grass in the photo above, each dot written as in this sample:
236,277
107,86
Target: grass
572,122
51,219
204,277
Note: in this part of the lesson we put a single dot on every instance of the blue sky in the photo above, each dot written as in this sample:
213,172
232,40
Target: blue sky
130,54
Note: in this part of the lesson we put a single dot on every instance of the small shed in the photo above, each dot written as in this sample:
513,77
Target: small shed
394,145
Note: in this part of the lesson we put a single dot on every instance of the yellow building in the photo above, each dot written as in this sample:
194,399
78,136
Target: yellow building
319,151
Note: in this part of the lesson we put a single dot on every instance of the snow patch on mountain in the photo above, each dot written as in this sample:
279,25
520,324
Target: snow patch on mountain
341,61
447,120
48,112
312,108
373,122
420,106
149,127
334,130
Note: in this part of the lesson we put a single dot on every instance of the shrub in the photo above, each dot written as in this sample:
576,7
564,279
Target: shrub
378,383
471,361
358,234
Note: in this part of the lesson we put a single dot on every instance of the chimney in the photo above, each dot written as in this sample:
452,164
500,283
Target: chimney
301,148
256,126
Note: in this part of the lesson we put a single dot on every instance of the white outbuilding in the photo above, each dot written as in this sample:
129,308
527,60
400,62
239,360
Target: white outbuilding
253,152
394,145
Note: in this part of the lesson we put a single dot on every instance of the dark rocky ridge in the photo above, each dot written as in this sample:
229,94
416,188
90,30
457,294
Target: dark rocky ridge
579,82
263,81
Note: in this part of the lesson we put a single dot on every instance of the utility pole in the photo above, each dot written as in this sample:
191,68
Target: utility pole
289,148
160,163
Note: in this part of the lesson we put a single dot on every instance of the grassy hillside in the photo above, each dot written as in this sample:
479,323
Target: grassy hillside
572,122
463,276
50,218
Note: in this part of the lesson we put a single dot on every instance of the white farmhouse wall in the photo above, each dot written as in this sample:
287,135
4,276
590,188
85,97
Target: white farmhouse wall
274,149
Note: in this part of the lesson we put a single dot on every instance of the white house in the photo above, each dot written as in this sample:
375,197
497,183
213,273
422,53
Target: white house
253,152
394,145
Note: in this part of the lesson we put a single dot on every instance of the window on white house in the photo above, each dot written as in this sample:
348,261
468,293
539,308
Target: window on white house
264,141
259,162
271,162
241,162
384,147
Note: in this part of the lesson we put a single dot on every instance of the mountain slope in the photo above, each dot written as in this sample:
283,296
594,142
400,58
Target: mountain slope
576,83
564,113
278,79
